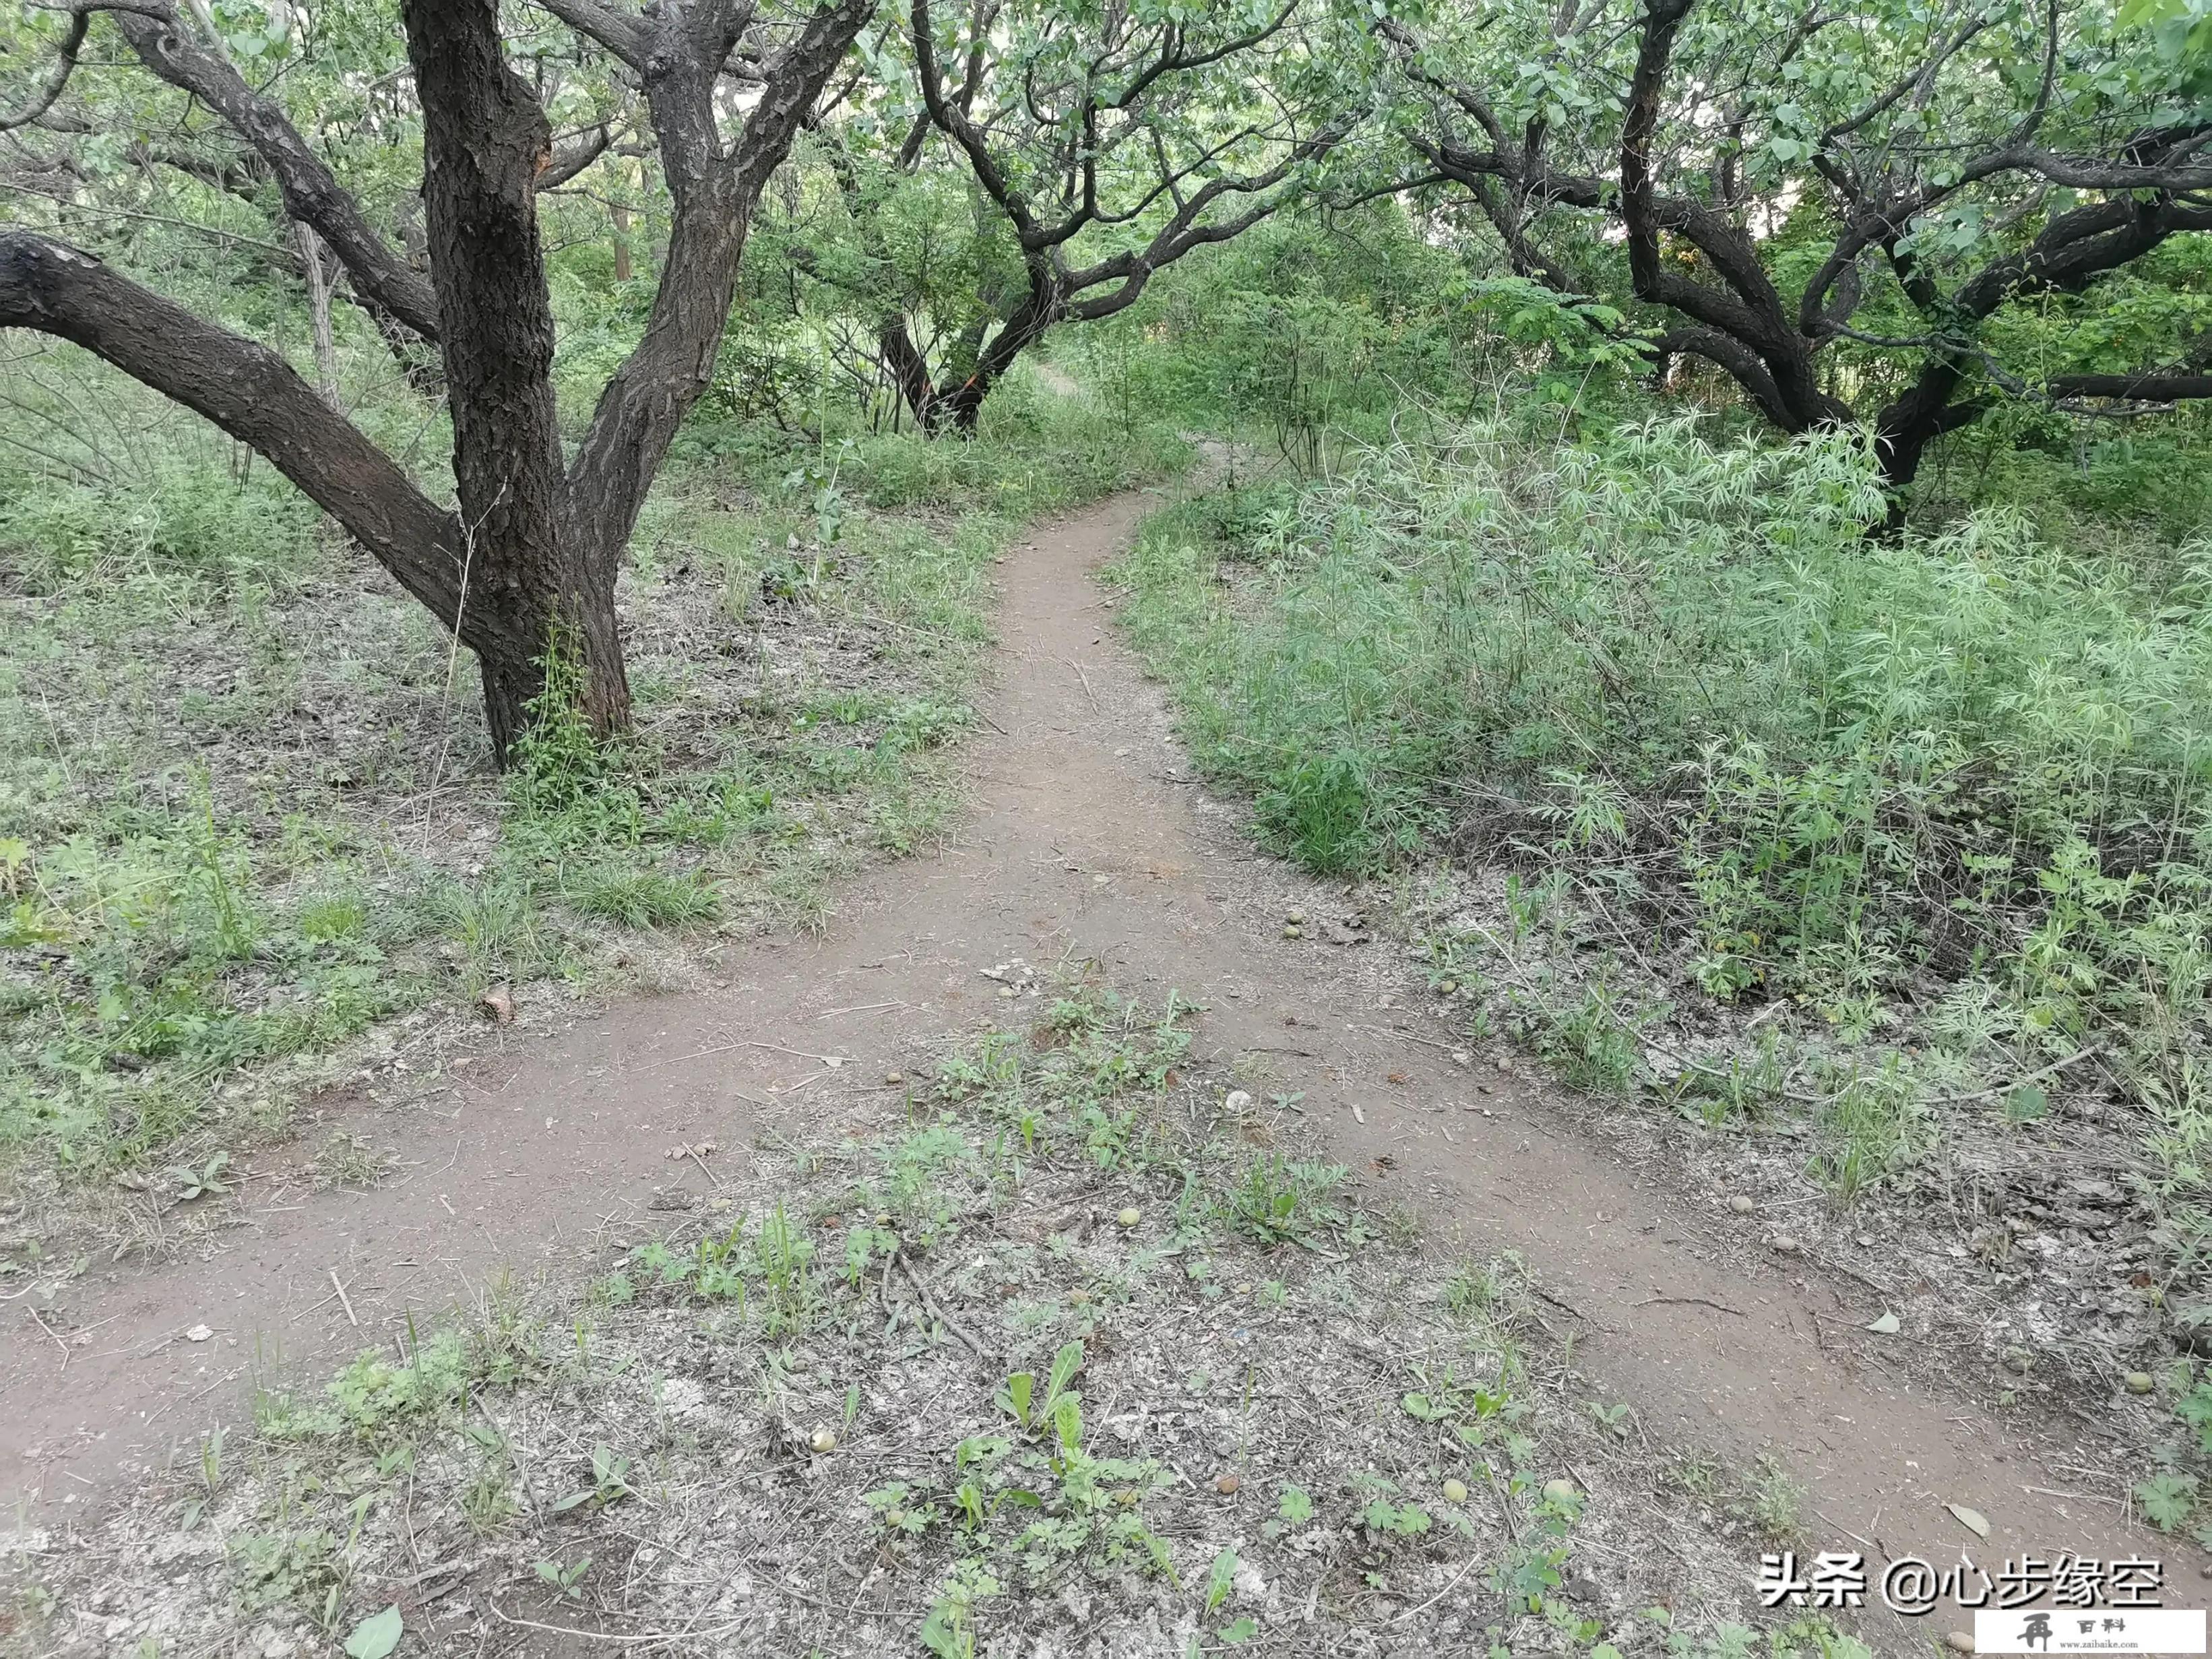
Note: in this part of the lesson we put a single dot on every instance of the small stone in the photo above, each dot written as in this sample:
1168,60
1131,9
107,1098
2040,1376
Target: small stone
823,1440
1785,1243
1561,1491
1449,989
1455,1492
1958,1642
199,1334
1237,1100
498,1005
2143,1382
1130,1217
1291,930
1227,1484
1008,991
894,1518
2018,1360
1295,918
1461,1057
1864,1241
1741,1205
894,1076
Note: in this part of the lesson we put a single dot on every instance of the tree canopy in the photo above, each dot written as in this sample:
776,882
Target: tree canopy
1893,215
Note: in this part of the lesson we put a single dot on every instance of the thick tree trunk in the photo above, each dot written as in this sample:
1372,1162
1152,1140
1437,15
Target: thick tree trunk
907,368
538,578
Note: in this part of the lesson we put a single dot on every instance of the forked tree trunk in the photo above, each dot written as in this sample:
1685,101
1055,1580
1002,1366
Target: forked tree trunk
527,567
537,579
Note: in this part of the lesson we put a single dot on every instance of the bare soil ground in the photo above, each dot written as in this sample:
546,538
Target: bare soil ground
1087,842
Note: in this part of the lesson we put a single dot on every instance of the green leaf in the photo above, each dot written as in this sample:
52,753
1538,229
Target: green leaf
1296,1506
1222,1580
2166,1499
1244,1629
375,1635
1065,1364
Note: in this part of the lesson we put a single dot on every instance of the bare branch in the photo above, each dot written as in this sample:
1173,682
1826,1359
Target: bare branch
165,46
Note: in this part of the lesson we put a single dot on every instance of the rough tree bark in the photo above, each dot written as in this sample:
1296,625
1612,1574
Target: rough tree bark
529,561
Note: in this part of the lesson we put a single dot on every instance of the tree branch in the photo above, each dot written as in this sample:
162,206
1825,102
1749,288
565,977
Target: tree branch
646,400
166,47
250,392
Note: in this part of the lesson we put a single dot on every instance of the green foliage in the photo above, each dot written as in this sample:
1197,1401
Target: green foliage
1949,791
1281,1200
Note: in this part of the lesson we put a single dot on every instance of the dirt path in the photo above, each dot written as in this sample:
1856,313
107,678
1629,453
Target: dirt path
1087,838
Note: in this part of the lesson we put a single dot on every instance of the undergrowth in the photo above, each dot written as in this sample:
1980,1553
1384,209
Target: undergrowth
247,828
1069,1341
1677,736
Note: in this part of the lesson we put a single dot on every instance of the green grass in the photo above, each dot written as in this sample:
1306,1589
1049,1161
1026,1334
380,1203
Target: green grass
1947,796
248,817
957,1319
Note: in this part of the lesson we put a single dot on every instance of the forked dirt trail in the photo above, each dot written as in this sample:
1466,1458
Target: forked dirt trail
1085,839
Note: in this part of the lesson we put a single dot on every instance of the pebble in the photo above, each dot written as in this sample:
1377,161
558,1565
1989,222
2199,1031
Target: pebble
1455,1492
1958,1642
894,1076
1291,930
823,1440
1238,1100
1461,1057
1561,1491
2143,1382
1295,918
1227,1484
1741,1205
1784,1244
1130,1217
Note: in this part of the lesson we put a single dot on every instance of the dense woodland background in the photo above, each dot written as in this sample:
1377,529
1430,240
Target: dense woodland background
488,491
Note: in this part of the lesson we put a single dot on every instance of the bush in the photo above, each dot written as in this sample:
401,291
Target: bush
1819,761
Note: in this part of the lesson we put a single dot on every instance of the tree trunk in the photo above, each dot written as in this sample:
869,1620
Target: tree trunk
620,215
318,311
537,578
963,406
